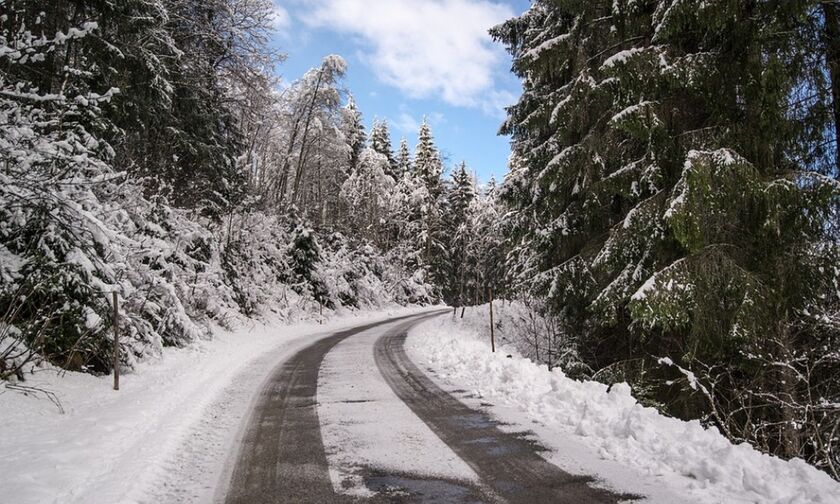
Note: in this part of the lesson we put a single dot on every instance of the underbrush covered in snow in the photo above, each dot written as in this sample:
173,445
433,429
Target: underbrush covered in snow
176,272
609,419
158,160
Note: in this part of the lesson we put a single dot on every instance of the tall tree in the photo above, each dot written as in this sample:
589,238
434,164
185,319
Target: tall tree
368,191
663,203
457,231
404,162
427,163
428,170
354,131
380,141
831,39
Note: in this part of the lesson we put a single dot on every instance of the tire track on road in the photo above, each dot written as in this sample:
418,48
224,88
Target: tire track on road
282,457
506,462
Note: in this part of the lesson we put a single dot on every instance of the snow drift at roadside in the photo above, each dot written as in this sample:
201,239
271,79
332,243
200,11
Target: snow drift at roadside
608,419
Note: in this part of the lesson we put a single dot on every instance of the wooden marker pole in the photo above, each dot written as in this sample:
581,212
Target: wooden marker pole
116,341
492,325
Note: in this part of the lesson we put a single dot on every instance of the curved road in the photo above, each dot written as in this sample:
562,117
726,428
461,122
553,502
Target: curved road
282,459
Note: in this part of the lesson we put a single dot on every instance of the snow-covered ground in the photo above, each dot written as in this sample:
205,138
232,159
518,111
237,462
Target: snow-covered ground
592,430
166,436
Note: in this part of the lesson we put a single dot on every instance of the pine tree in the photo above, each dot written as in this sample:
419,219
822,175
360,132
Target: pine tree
664,206
487,248
457,231
427,163
380,141
404,162
304,259
354,131
427,171
409,198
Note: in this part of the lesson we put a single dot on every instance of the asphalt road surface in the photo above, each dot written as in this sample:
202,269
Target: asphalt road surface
282,458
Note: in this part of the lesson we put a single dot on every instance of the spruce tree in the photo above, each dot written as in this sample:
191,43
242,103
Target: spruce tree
354,131
457,231
57,167
380,141
427,171
664,207
404,162
427,163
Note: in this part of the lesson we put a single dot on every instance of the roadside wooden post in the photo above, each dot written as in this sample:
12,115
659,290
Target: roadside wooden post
116,341
492,326
320,312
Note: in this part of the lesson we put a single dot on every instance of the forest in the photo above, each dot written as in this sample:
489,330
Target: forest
671,214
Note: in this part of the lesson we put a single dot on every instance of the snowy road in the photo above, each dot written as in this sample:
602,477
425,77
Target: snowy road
352,412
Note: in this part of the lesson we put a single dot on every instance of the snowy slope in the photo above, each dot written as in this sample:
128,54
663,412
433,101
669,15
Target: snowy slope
164,437
592,429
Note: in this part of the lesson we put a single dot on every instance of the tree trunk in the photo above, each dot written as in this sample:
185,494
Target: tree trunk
301,158
790,435
831,14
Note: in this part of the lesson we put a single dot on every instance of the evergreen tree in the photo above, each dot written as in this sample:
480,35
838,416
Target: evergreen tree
427,171
354,131
427,163
56,167
368,191
409,198
404,162
304,259
664,206
380,141
487,248
457,233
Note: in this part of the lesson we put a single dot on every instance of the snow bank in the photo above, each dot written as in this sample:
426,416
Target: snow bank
164,437
694,461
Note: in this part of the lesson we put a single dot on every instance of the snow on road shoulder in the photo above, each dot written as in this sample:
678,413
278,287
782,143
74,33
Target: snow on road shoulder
166,436
605,432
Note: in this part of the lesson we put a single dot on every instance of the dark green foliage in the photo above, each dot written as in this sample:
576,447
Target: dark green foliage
304,258
670,196
458,266
380,141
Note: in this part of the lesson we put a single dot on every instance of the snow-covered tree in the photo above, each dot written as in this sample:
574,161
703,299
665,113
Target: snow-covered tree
369,191
404,162
54,163
354,131
310,117
457,233
428,166
380,141
664,205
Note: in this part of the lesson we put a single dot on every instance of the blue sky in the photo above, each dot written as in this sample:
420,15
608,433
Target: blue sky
410,58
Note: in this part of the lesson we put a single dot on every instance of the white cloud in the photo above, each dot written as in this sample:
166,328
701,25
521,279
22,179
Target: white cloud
406,124
280,19
496,101
426,48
